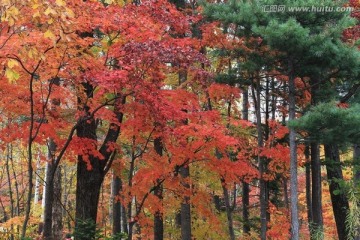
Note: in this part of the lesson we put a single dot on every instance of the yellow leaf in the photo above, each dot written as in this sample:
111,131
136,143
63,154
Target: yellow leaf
60,3
49,10
11,75
69,13
11,63
49,34
35,6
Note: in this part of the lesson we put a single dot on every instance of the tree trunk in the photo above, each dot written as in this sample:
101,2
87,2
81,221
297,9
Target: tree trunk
57,217
116,207
317,218
90,169
228,210
37,181
49,193
158,217
245,185
293,157
124,221
7,165
339,200
88,191
308,186
262,167
185,206
356,157
246,204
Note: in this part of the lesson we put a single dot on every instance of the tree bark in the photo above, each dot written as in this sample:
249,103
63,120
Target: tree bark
308,186
228,210
49,192
158,217
245,185
185,206
7,166
262,167
339,201
57,221
317,218
293,157
116,207
356,157
90,169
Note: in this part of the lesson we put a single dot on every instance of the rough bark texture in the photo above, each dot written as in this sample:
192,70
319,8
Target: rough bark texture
88,180
158,217
116,207
293,157
57,223
90,169
339,201
245,185
228,210
185,206
49,193
308,185
356,157
317,218
262,167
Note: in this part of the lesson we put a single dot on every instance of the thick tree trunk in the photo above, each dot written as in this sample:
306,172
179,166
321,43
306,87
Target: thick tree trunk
317,218
90,169
88,190
339,200
293,157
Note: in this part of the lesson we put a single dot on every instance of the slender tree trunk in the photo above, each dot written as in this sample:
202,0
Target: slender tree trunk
116,207
356,157
228,210
317,218
17,208
49,193
57,216
185,206
286,192
30,141
37,181
130,204
316,201
245,185
124,220
308,186
7,166
158,217
339,201
262,167
293,157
